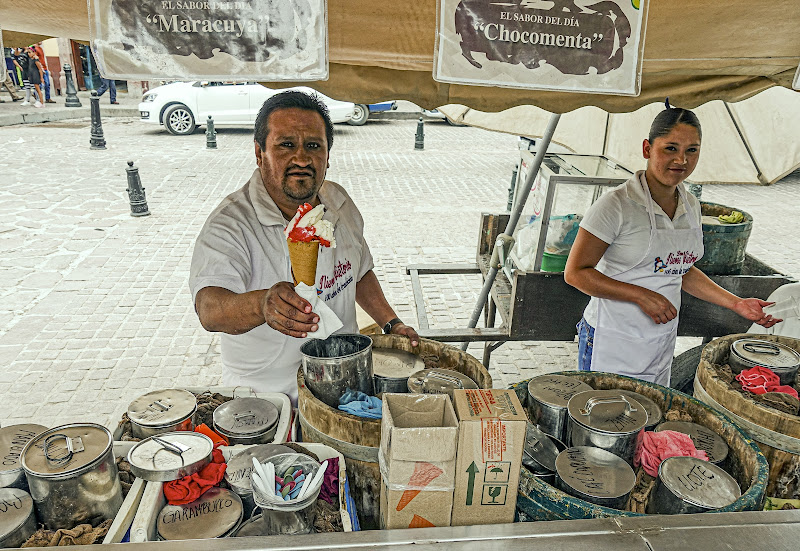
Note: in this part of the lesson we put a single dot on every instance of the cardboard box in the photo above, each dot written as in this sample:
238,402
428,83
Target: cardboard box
419,434
491,438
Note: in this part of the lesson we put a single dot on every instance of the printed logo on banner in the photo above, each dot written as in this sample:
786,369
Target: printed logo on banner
213,39
570,45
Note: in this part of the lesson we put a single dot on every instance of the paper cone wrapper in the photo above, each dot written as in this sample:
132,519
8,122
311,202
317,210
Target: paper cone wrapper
303,257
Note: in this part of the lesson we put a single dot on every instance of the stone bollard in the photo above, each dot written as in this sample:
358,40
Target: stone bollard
136,192
72,92
97,140
419,139
211,134
512,188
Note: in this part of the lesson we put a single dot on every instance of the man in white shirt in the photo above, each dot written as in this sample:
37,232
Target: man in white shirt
241,279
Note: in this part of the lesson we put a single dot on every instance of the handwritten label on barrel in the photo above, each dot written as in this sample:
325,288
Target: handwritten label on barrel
16,444
10,505
201,509
697,477
584,472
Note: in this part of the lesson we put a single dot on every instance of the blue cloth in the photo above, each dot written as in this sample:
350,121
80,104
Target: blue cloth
108,84
585,345
357,403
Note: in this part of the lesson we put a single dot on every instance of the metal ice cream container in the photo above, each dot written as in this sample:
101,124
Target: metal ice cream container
779,358
548,398
72,475
594,475
170,456
439,381
605,419
703,437
540,451
215,514
247,420
161,411
654,413
691,485
333,365
17,517
392,368
12,441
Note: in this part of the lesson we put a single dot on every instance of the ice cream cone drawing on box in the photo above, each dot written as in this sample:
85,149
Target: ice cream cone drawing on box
305,234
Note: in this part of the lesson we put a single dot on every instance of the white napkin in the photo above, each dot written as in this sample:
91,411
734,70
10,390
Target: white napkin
328,321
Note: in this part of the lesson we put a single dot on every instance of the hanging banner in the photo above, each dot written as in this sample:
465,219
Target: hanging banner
270,40
564,45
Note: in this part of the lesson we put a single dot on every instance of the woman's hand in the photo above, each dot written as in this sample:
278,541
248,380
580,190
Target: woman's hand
753,310
657,306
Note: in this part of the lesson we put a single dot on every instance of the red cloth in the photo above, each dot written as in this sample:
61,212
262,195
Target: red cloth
330,483
189,488
655,447
760,380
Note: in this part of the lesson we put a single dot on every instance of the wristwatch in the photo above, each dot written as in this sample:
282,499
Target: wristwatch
389,324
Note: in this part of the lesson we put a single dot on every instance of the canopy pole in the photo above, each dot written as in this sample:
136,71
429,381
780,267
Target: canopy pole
512,222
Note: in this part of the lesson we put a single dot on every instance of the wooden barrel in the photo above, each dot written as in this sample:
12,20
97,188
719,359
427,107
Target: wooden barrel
358,438
777,433
541,501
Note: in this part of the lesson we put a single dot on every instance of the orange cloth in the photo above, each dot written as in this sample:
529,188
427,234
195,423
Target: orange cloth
189,488
216,437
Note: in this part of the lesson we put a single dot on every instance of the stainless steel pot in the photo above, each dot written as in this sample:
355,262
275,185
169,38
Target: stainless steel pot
17,517
703,438
240,468
780,359
548,396
540,451
691,485
654,414
392,368
594,475
605,419
333,365
247,421
439,381
162,411
170,456
72,475
12,441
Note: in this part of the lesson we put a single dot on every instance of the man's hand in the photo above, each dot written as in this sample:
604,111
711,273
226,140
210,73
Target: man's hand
753,310
287,312
657,306
403,329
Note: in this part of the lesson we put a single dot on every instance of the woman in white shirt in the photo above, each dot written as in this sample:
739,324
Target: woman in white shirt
634,253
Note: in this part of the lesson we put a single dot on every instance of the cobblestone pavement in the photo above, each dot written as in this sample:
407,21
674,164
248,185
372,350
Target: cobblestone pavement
94,306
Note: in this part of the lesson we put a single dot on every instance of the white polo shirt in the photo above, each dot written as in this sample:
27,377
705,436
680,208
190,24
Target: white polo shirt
242,248
619,217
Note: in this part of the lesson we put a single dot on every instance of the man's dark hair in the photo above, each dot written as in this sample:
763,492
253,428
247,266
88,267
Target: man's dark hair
288,100
669,118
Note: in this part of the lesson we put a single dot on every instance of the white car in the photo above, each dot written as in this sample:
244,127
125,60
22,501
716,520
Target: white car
182,106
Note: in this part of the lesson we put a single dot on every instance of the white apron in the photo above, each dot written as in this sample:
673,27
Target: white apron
626,340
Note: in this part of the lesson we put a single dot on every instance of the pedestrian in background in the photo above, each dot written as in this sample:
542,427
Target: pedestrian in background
108,84
21,62
8,84
35,76
45,73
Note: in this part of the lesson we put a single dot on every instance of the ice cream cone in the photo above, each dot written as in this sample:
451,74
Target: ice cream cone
303,257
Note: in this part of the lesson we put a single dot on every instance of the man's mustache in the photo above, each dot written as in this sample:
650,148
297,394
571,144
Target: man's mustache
308,170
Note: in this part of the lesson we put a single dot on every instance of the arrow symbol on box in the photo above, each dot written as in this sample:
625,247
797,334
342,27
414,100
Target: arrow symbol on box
472,470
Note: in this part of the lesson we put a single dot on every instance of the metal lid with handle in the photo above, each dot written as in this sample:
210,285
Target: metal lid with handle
170,456
439,381
765,353
66,450
539,452
162,408
607,411
698,482
245,416
555,390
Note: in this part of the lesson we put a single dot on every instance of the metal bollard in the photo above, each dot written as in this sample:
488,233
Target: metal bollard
419,139
512,188
136,192
72,92
211,134
97,140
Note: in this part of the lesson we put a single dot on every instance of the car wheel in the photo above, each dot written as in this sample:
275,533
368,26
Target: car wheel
179,120
360,115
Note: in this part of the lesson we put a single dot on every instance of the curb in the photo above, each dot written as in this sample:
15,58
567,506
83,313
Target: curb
50,115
